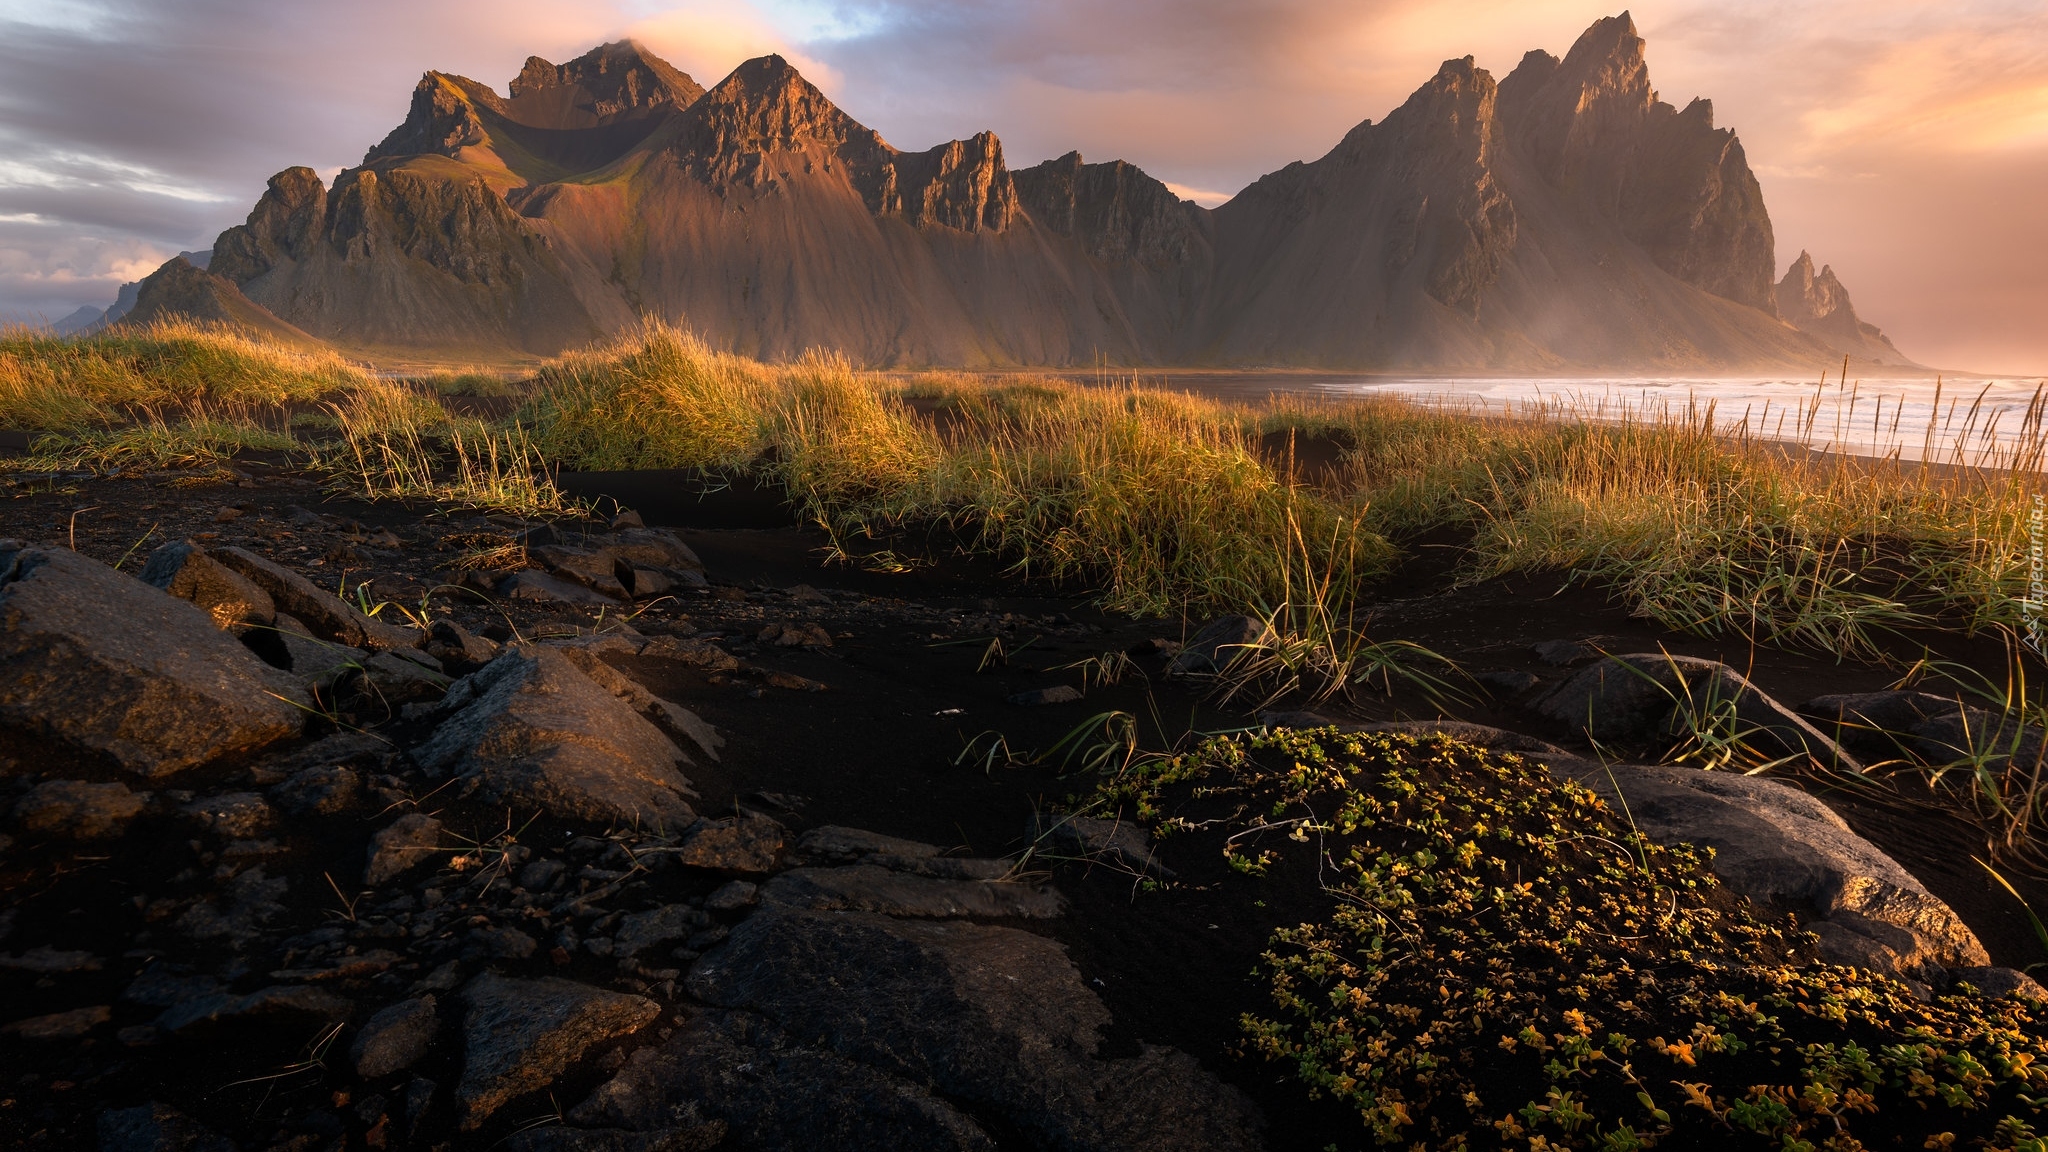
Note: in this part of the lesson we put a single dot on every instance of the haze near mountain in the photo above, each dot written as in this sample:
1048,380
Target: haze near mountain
1563,218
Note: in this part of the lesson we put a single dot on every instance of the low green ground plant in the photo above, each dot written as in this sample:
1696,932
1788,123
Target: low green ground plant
1501,961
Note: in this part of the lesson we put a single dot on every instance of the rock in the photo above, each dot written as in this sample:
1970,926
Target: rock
657,548
1644,695
456,647
774,1094
832,843
1112,841
328,616
695,653
1938,729
2000,983
594,568
1510,681
107,665
239,910
588,655
554,1138
355,749
400,678
279,1001
1775,844
320,665
161,985
539,875
232,815
156,1127
519,1035
1057,694
70,1025
1566,652
1219,645
871,888
992,1018
233,600
643,930
327,790
76,810
733,896
627,518
499,943
528,584
646,582
745,844
401,846
395,1038
45,960
796,635
538,731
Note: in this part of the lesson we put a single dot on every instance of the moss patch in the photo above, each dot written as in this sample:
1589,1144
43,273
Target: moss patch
1502,961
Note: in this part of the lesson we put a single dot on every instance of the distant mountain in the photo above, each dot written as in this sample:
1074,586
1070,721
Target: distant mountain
1819,306
1563,218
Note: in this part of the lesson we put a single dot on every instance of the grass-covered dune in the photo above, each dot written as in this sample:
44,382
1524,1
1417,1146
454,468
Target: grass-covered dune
1155,500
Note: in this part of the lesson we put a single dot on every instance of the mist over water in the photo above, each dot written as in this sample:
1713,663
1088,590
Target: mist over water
1992,421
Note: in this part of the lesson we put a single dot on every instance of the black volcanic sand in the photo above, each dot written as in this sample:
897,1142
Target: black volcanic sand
880,747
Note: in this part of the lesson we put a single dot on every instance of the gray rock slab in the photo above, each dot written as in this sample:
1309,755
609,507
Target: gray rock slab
107,665
541,587
991,1017
519,1035
749,845
871,888
840,845
536,730
775,1095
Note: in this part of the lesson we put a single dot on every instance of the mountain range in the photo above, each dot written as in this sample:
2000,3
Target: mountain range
1561,218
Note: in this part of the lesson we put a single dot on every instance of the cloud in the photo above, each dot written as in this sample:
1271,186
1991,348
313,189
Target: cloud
131,128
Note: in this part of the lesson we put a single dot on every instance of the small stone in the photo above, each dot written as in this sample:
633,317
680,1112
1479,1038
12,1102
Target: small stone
500,943
530,584
643,930
395,1038
748,844
796,635
539,875
1057,694
232,815
734,896
401,845
60,1025
321,791
627,518
77,810
1219,645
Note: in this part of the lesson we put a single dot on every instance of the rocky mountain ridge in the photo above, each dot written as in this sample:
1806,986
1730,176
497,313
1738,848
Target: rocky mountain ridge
1561,218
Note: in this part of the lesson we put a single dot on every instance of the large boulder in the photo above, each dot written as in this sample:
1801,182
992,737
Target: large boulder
519,1035
1938,729
535,730
774,1095
328,616
1648,695
1773,844
112,667
995,1019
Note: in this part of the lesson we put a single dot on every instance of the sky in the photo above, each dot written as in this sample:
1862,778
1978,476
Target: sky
1904,143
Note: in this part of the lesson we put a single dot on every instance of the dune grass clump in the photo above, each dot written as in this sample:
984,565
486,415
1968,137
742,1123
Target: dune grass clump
57,384
395,442
1502,961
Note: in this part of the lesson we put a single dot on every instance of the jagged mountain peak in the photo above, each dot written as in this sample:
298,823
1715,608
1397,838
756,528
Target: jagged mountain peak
1818,304
620,80
766,105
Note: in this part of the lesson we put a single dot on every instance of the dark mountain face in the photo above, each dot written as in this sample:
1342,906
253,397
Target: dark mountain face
1564,217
